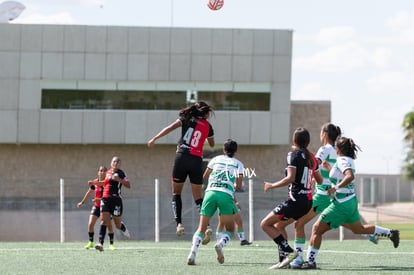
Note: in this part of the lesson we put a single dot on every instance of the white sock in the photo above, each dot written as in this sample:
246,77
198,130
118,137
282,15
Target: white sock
241,235
299,247
382,231
196,241
312,253
225,239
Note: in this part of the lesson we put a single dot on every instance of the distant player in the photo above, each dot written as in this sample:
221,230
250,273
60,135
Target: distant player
96,190
111,202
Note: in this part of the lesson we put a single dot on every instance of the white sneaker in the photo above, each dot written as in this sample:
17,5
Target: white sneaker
219,251
180,230
99,247
289,257
279,266
207,236
126,233
297,263
191,258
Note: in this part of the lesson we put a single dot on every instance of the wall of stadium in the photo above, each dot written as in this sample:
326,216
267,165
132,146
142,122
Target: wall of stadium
37,57
40,146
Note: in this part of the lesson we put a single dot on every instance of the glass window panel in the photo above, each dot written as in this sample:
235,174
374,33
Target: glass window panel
124,100
152,100
246,101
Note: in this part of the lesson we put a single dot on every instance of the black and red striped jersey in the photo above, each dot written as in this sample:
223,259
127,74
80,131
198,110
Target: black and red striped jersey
193,135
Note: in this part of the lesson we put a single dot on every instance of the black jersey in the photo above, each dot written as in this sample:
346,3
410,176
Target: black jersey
303,178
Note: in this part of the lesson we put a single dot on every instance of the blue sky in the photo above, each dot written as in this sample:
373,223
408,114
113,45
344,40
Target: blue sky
355,53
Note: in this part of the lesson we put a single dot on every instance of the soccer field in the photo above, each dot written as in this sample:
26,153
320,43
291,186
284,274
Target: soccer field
131,257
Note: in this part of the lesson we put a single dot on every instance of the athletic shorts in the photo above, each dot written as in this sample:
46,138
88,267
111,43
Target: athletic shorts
113,205
95,211
320,202
216,200
337,213
188,165
293,209
235,209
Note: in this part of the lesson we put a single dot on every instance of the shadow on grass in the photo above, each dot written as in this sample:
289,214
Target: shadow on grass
368,268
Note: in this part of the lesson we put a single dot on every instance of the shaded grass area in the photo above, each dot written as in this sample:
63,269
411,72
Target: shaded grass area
131,257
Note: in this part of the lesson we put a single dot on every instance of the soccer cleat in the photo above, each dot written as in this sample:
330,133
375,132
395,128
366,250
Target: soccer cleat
395,237
180,230
207,236
373,238
245,242
111,247
290,256
99,247
220,255
191,258
297,263
278,266
308,265
126,233
89,245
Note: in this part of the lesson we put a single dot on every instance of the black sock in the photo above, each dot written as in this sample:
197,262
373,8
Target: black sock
177,206
102,233
282,254
282,242
198,203
91,236
111,238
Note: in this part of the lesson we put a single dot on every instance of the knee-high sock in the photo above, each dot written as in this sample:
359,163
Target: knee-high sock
198,203
225,238
102,233
197,238
177,206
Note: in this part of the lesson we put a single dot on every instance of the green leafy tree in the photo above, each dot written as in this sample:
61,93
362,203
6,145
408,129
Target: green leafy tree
408,127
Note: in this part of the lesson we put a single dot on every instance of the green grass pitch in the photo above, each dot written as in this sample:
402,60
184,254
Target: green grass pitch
139,257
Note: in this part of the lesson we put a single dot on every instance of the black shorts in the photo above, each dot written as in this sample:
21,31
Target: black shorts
113,205
293,209
95,211
188,165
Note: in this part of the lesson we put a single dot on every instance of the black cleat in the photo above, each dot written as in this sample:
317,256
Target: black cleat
395,237
245,242
308,265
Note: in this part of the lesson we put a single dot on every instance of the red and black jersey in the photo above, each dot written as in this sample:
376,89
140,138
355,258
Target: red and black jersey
303,178
112,188
193,135
98,192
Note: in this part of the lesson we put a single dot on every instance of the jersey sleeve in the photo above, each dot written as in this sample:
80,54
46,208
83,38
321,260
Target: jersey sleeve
211,163
322,153
292,160
344,164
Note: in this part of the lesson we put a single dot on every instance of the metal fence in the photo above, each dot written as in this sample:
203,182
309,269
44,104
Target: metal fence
38,218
